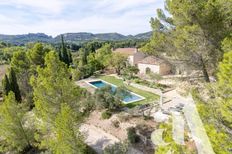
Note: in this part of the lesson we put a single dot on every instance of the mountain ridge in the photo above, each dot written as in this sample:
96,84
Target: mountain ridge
78,37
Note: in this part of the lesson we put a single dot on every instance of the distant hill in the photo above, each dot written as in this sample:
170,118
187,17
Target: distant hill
25,38
75,37
70,37
146,35
110,36
83,36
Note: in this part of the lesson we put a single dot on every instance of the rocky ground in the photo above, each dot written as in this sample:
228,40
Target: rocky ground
99,133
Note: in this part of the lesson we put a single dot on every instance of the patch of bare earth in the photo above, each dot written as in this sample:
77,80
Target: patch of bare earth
102,132
117,125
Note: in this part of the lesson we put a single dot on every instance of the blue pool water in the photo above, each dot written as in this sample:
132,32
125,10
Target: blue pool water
127,99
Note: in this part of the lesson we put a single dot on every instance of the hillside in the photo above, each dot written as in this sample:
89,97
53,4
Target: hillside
70,37
25,38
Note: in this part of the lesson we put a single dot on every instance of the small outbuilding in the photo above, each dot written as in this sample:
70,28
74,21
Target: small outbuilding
152,64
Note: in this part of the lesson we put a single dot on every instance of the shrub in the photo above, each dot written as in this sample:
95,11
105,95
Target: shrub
116,123
107,99
106,114
123,117
155,76
122,92
90,150
136,80
132,136
117,148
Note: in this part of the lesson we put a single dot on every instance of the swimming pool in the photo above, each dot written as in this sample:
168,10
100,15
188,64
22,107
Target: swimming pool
127,99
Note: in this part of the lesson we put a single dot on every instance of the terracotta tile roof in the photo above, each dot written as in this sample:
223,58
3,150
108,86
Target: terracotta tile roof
152,60
126,51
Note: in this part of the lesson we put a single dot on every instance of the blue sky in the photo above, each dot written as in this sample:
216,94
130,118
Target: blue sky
61,16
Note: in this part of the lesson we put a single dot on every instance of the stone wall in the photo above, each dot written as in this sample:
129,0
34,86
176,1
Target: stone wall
154,68
165,69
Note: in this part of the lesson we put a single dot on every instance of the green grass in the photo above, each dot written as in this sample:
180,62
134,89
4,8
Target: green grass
149,97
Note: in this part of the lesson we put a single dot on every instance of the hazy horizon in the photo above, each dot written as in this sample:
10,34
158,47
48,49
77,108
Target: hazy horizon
54,17
74,33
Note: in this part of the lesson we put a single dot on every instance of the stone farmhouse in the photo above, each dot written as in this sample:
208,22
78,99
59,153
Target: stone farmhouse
154,65
146,64
134,56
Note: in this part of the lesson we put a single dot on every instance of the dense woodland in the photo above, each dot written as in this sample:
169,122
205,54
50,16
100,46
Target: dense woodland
42,107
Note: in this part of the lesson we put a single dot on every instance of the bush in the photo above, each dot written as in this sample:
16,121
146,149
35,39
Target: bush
116,123
106,98
155,76
90,150
132,136
106,115
122,92
123,117
117,148
150,84
136,80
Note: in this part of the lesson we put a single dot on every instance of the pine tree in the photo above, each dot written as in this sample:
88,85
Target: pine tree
16,137
193,33
37,53
14,85
22,65
68,139
104,54
52,87
6,85
224,90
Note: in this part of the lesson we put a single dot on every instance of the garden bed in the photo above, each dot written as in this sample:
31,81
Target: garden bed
154,85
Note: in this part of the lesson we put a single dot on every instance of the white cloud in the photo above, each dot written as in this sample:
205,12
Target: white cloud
117,5
60,16
49,6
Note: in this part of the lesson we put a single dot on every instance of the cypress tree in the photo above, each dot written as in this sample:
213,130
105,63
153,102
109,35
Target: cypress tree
60,54
64,53
70,57
6,85
14,85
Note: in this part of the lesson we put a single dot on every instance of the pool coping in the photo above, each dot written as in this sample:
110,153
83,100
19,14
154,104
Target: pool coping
95,80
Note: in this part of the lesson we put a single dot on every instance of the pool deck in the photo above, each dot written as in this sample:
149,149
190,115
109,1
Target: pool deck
84,84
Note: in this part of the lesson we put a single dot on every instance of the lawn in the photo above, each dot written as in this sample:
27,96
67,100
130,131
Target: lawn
150,97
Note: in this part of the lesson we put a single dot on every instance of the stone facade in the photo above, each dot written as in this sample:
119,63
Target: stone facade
135,58
154,65
144,67
145,64
165,69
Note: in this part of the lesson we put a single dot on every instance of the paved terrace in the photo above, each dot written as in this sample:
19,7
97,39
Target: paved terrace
83,84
